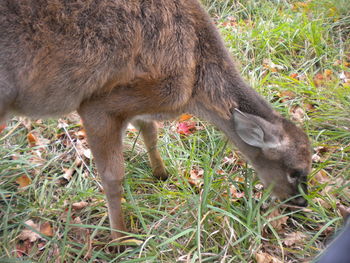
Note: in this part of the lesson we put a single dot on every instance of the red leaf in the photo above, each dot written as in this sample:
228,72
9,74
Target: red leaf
2,127
186,128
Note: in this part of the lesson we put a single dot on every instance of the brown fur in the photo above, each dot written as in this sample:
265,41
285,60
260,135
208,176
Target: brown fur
117,61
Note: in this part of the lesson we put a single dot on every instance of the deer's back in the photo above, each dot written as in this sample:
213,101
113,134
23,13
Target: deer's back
58,53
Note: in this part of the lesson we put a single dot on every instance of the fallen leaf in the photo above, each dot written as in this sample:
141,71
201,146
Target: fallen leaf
46,229
79,232
196,177
36,158
344,211
294,238
81,134
309,107
79,205
328,73
297,114
319,79
316,158
235,194
230,21
287,95
185,117
68,173
262,257
267,63
276,220
29,234
294,76
322,202
186,128
23,248
23,181
2,127
32,139
321,177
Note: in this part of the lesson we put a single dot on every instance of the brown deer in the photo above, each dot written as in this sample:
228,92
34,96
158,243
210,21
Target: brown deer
121,61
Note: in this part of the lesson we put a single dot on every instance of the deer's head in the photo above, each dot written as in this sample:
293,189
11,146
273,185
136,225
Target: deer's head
279,151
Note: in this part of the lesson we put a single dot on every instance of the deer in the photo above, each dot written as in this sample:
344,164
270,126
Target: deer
140,61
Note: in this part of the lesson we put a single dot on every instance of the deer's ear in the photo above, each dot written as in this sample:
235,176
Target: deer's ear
255,131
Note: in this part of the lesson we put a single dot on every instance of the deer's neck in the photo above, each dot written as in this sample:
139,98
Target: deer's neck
219,86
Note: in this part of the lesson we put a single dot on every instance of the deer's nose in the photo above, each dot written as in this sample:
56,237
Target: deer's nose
299,201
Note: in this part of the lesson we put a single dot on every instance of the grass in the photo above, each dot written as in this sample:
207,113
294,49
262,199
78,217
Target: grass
294,53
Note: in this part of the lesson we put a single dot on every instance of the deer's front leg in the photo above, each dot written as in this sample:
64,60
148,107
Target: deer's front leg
150,136
104,132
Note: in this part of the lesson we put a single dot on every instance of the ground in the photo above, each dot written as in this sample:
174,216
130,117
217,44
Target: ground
212,208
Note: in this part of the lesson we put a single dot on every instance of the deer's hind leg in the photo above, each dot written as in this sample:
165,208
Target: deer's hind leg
149,132
104,132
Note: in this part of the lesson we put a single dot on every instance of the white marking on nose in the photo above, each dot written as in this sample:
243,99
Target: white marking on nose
291,179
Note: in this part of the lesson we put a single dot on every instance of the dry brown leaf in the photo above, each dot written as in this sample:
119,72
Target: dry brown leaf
32,139
276,220
196,177
79,205
319,80
309,107
268,64
344,211
46,229
294,238
287,95
23,181
28,234
322,203
23,248
262,257
68,173
321,177
81,134
297,114
235,194
36,158
27,123
80,233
